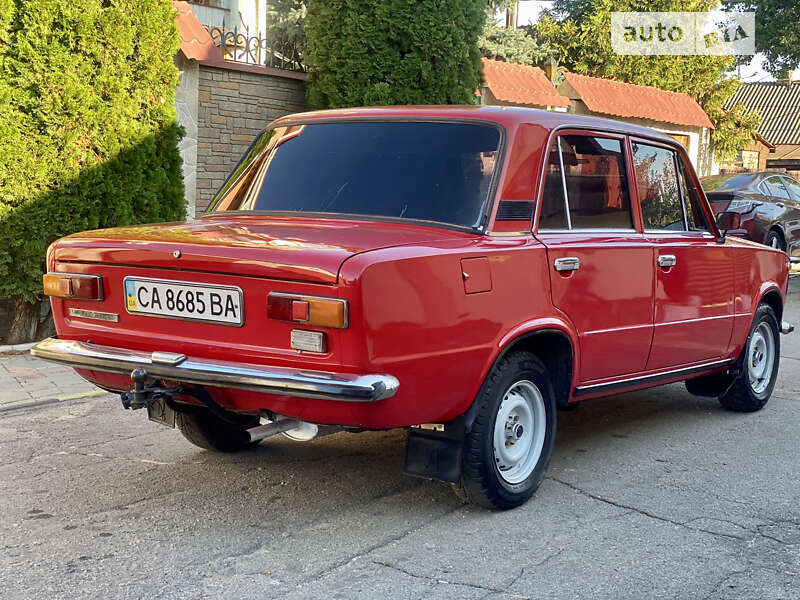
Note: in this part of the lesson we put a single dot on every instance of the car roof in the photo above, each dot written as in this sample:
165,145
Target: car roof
737,181
503,115
730,181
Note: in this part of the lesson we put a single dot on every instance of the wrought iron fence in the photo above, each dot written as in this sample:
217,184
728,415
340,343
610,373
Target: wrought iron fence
256,50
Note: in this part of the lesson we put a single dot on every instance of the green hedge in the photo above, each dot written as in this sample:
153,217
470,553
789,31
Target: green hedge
367,53
88,137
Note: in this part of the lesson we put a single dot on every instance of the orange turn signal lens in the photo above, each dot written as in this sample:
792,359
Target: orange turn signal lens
309,310
71,285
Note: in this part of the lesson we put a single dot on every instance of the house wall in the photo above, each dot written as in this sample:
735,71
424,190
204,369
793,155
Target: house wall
247,15
487,98
736,164
234,106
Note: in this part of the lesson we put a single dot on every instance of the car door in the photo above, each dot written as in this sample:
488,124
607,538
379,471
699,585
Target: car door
791,223
601,265
694,276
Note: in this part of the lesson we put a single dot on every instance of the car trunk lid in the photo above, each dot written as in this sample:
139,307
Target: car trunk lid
288,248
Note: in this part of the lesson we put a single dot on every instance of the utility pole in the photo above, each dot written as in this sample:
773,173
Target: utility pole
512,15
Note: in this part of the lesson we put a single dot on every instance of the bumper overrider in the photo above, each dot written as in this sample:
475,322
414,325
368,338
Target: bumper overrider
282,381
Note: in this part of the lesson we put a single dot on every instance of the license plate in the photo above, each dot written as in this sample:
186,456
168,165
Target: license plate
159,412
221,304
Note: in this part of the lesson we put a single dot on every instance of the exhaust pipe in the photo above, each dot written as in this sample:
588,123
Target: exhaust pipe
264,431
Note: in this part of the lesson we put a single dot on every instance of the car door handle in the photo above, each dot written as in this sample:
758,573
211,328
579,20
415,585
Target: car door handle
567,263
667,260
780,204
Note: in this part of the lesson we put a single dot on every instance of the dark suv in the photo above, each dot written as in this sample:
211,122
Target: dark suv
768,202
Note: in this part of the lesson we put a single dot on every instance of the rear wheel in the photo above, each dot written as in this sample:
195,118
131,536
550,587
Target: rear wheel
774,240
508,448
759,361
207,431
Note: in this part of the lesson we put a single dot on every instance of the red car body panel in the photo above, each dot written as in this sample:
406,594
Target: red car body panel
433,306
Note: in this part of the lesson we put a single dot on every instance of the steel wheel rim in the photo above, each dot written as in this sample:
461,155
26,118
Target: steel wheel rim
519,432
761,358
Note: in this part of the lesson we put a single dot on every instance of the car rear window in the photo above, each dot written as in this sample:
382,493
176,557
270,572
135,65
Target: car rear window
427,171
726,183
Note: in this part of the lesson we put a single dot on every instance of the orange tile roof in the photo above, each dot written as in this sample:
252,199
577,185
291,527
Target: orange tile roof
196,42
611,97
521,84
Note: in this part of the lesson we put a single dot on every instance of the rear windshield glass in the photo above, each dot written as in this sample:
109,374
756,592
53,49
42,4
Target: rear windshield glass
425,171
726,183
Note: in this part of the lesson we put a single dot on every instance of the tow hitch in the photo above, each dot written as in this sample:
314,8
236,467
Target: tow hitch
142,395
162,408
160,400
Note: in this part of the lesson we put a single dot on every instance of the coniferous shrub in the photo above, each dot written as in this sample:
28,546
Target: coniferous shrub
367,53
88,137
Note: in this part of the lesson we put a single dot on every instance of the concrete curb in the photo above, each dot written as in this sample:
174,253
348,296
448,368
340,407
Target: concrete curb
13,348
48,401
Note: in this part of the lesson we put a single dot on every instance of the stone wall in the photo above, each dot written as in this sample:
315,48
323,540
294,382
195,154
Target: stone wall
186,107
235,105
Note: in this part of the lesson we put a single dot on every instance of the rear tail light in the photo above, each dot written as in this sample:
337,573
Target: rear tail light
70,285
308,310
742,205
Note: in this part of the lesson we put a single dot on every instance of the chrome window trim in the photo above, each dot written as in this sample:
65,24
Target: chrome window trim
564,184
589,230
508,233
671,232
680,192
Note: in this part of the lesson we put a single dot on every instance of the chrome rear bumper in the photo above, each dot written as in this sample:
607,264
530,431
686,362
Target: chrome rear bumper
282,381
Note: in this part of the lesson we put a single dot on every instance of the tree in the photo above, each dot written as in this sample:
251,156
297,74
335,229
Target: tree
285,30
777,32
513,45
88,137
361,52
580,33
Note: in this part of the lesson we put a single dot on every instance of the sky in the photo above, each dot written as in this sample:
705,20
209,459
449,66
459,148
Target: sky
529,12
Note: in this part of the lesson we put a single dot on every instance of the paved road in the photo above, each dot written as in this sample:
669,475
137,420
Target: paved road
654,494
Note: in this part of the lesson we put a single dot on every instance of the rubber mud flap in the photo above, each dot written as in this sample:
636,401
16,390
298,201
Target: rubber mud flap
433,454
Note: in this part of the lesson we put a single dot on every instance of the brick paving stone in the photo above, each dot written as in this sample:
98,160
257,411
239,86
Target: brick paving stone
25,378
13,396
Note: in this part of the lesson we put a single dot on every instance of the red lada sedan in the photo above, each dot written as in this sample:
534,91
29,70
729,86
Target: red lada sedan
459,271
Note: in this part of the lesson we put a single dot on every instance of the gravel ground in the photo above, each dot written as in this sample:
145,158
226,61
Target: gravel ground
654,494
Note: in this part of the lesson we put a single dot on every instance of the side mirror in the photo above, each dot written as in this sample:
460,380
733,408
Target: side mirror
729,220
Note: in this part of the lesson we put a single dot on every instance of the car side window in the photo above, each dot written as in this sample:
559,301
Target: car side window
793,187
586,186
553,209
777,188
695,215
659,189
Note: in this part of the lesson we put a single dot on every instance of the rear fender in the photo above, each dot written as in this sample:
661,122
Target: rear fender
516,338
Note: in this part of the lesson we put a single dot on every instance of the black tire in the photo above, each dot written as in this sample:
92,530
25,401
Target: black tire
774,240
481,479
744,395
207,431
